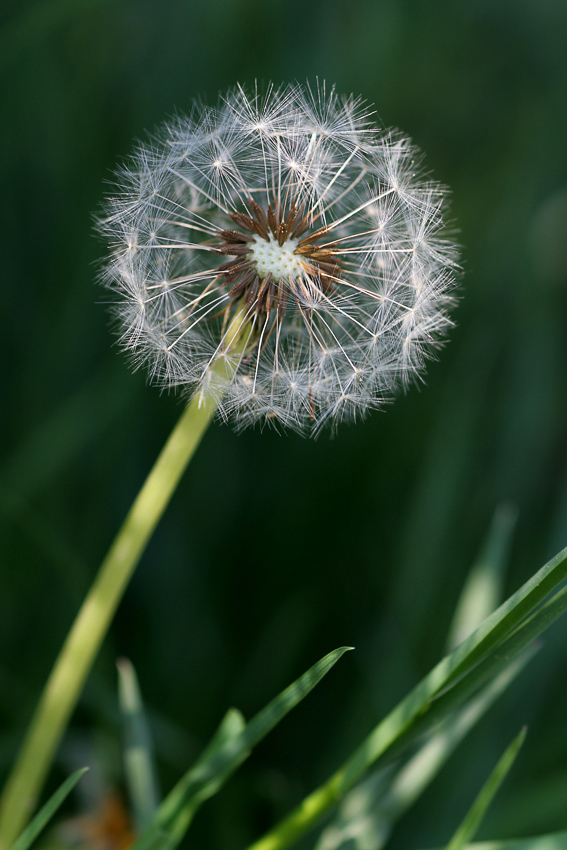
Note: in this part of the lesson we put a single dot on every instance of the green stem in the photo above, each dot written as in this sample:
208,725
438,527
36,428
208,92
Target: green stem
91,624
83,641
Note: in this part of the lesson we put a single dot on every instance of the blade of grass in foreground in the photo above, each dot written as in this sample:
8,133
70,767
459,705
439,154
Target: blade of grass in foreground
473,819
498,659
370,811
498,639
231,745
553,841
45,814
231,726
138,756
482,591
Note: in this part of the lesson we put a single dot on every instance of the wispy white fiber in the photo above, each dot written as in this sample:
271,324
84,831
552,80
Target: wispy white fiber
293,210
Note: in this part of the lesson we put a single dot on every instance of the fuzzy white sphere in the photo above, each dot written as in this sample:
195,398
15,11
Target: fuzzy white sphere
294,214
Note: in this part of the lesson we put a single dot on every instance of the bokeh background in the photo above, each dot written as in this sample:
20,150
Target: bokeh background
276,549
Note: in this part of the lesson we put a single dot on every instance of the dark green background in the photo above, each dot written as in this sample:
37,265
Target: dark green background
277,549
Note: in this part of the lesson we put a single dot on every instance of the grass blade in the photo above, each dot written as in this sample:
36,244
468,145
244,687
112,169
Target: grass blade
553,841
227,751
45,814
473,819
460,674
368,813
231,726
482,591
138,756
495,642
496,661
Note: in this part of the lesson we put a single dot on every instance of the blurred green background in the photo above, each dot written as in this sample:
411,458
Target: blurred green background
276,549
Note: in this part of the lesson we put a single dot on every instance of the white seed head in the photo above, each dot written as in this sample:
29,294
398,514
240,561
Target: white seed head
292,212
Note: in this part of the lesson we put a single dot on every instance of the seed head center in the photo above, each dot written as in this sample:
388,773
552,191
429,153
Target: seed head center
279,260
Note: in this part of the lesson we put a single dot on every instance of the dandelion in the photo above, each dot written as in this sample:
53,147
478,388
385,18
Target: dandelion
292,217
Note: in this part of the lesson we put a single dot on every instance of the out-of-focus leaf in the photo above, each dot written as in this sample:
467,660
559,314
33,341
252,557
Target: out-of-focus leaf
474,816
553,841
482,591
55,442
138,755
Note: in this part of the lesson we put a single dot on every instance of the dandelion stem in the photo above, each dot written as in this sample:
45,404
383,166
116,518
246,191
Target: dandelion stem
89,629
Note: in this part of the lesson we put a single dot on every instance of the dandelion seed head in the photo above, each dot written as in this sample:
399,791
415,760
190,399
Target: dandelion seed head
292,212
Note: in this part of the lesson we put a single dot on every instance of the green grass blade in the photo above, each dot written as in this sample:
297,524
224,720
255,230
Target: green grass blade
489,642
368,813
484,654
45,814
227,751
231,726
482,591
497,626
138,755
496,661
553,841
473,819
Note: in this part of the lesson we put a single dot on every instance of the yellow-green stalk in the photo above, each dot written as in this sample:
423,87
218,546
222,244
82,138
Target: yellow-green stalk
81,646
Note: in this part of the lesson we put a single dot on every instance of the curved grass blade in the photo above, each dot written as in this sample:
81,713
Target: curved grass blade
473,819
552,841
446,700
498,626
491,647
482,590
369,812
232,725
138,750
45,814
460,674
231,745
